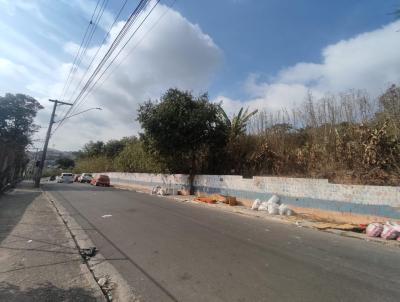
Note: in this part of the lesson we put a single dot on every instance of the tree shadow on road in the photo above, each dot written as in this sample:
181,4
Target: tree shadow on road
44,292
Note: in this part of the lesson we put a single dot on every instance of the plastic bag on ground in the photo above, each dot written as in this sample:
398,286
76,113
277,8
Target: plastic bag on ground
274,199
284,210
374,229
273,209
155,189
263,206
289,212
390,232
256,204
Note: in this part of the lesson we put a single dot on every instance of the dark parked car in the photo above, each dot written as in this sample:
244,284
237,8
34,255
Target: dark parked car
100,180
52,178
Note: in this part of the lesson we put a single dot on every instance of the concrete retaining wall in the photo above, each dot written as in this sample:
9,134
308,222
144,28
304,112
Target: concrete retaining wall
302,192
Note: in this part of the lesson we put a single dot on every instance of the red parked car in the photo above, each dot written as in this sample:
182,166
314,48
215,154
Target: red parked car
100,180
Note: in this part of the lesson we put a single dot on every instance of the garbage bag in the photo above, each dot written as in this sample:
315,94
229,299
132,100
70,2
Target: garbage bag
256,204
374,229
162,191
389,232
273,209
289,212
263,206
283,209
274,199
154,190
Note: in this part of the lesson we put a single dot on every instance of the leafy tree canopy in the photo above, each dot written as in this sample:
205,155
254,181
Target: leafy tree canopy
181,128
17,112
65,163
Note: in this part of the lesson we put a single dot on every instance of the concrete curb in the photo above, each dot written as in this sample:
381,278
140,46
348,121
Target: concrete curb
98,266
84,268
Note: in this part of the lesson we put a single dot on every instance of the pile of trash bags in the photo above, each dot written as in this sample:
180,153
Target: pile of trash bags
273,206
388,231
157,190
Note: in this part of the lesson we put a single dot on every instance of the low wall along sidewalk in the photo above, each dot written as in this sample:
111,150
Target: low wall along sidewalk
381,201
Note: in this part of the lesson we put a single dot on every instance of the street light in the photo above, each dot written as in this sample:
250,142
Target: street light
41,163
95,108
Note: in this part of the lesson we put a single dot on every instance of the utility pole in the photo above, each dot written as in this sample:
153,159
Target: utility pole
46,143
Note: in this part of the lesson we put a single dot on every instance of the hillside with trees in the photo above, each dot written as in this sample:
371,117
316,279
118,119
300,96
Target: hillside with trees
347,137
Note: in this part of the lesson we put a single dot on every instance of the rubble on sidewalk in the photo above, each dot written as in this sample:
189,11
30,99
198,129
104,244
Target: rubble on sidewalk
214,198
339,226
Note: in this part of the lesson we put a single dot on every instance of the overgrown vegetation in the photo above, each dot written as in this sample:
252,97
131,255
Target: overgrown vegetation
17,112
347,138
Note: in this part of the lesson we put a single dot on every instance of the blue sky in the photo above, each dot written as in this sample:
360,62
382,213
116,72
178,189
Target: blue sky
262,54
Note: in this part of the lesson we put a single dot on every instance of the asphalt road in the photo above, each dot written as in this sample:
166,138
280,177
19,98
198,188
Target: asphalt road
172,251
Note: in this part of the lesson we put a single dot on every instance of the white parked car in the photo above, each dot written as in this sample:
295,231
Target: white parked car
85,177
65,178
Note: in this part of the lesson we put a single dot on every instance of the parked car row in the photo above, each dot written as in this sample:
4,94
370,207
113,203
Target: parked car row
65,178
97,180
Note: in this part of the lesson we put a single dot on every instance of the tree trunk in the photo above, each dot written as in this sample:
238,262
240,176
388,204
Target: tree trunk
192,173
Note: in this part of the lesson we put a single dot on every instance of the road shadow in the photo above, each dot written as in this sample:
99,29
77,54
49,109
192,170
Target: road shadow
13,205
45,292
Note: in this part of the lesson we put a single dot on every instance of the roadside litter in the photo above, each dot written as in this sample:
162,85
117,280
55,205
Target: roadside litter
183,192
157,190
106,216
388,231
374,229
273,206
87,253
107,286
340,226
231,200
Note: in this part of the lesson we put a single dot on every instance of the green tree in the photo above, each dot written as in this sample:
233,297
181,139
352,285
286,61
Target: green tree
113,147
65,163
134,158
236,150
93,149
237,125
17,113
182,130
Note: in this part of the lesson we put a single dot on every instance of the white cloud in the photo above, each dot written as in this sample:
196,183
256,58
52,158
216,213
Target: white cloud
369,61
174,53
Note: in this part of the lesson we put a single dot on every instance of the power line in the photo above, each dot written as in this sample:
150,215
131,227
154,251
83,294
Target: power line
119,52
133,48
111,49
91,34
102,43
77,56
89,86
79,50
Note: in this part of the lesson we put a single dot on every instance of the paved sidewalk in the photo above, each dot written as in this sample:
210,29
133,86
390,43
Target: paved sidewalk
38,258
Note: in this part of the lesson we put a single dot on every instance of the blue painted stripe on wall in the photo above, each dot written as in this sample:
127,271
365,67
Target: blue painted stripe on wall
330,205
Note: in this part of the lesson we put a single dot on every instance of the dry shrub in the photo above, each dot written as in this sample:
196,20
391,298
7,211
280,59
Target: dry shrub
348,138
